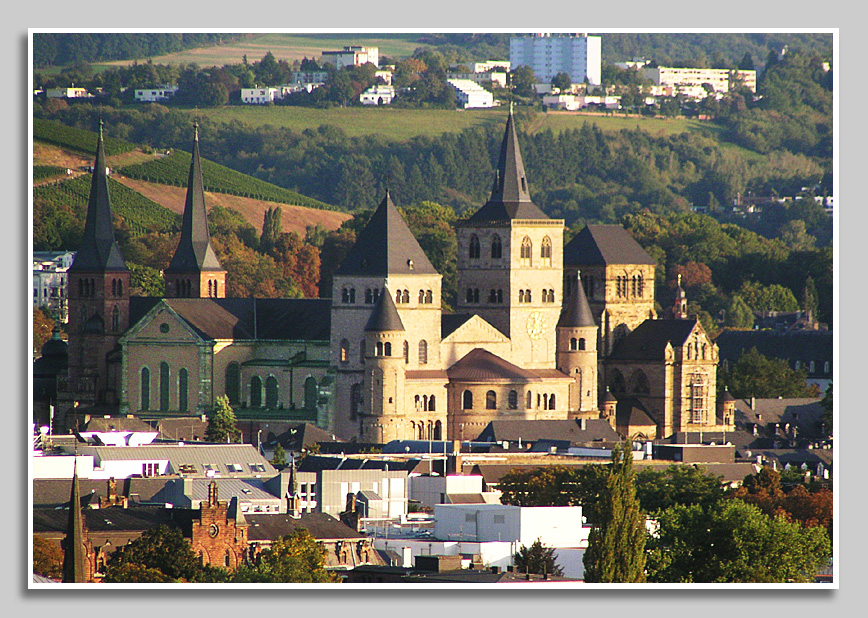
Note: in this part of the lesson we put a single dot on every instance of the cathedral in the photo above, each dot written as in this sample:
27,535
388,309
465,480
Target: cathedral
541,330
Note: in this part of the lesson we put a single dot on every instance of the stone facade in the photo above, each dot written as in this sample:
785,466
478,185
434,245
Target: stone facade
216,537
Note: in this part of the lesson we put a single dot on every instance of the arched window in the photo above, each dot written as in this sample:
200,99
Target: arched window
618,385
387,348
355,400
406,351
310,393
271,393
429,297
145,389
474,247
552,401
233,382
529,400
256,392
496,248
345,350
811,367
378,348
362,349
345,295
490,400
164,386
182,390
116,319
431,405
527,296
639,382
369,296
492,296
512,400
574,344
114,287
216,283
581,343
423,352
545,251
421,296
467,400
398,297
438,430
641,285
470,295
521,296
210,287
526,252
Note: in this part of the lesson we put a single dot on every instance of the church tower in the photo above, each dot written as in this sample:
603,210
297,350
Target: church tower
381,421
99,297
679,305
577,350
195,271
386,256
510,262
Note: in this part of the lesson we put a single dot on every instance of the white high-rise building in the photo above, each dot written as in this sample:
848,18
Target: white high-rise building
577,55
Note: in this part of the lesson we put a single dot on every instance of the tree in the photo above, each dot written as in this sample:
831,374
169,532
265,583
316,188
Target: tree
538,559
161,554
828,412
678,484
562,81
47,558
555,486
616,547
294,558
42,328
221,423
521,80
733,542
278,458
756,375
271,228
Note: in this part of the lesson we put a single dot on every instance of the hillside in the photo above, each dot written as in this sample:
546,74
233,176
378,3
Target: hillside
295,218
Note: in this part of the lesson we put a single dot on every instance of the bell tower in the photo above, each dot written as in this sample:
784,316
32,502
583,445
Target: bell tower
577,350
195,271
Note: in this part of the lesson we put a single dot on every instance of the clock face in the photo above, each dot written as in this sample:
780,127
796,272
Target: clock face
213,530
535,325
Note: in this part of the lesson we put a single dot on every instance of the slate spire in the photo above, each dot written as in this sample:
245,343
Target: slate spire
577,312
194,252
99,251
510,196
74,559
385,316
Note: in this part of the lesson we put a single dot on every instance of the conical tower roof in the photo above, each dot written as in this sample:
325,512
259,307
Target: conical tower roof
98,251
74,560
386,247
577,312
385,316
510,198
194,252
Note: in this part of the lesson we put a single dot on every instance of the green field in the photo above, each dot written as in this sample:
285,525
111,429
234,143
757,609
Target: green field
289,47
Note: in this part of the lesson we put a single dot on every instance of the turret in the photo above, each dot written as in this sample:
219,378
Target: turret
577,348
609,408
726,409
679,307
385,357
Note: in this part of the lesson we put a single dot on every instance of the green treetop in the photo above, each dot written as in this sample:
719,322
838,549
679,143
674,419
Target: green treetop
221,423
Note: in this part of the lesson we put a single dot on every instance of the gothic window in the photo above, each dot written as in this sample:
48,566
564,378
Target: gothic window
474,247
362,348
271,392
588,285
423,352
182,390
145,389
618,385
233,382
116,319
215,288
406,351
811,367
310,393
635,286
490,400
256,392
640,382
529,401
545,252
526,252
210,288
496,247
512,400
467,400
698,394
355,400
114,287
345,350
164,386
641,285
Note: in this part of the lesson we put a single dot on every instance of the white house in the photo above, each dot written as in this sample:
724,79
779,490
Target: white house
377,95
151,95
352,55
470,94
431,490
259,96
573,102
67,93
484,77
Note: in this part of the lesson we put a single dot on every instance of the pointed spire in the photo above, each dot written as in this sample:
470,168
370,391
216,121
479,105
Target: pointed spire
74,559
194,252
510,196
386,246
385,316
577,312
98,251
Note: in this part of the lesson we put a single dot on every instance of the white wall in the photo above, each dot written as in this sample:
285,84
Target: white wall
555,526
429,490
61,466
